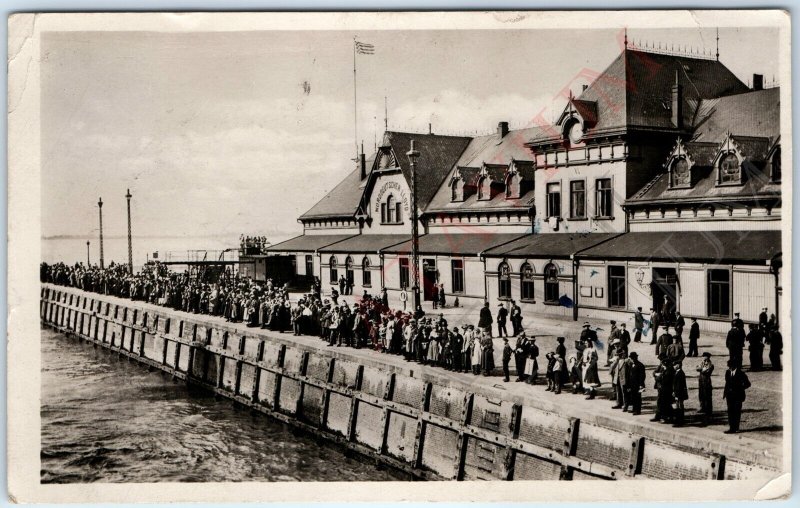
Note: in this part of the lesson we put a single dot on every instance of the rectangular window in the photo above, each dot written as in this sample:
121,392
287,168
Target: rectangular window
334,275
554,200
719,296
383,213
398,217
309,265
577,191
457,266
403,273
527,282
616,286
366,277
604,197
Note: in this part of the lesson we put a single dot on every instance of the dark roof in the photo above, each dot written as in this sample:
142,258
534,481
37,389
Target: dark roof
549,245
635,90
705,190
497,152
366,243
343,200
306,243
754,114
438,155
456,243
686,246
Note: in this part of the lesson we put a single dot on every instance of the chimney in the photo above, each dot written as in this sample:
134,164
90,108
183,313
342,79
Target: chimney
502,129
362,160
430,128
584,87
677,104
758,81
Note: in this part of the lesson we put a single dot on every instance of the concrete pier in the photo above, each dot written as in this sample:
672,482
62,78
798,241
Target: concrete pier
430,423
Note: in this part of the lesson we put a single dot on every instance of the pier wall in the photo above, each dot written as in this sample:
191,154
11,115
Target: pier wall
427,424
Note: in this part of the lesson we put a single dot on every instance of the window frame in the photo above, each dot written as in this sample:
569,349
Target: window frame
598,200
404,268
615,291
527,287
721,289
548,284
548,201
672,174
504,281
309,262
572,200
457,275
366,273
722,158
333,268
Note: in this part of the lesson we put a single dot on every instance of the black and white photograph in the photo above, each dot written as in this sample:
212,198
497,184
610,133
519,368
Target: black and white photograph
303,249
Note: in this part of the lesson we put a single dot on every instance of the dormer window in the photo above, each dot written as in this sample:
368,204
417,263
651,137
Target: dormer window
680,174
730,169
573,132
484,188
513,184
457,190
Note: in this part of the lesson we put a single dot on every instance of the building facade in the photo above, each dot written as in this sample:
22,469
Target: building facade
657,186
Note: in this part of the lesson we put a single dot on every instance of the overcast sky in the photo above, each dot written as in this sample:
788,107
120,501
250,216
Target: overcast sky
228,133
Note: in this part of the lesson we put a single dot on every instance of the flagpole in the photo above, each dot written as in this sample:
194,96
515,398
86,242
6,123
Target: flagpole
355,101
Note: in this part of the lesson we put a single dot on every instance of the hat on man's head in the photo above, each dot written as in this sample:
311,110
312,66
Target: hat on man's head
639,308
613,322
706,354
634,354
560,339
585,324
622,325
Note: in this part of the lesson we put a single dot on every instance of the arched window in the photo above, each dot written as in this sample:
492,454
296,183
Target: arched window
366,274
681,173
504,280
730,171
348,271
334,270
391,212
526,277
551,283
483,188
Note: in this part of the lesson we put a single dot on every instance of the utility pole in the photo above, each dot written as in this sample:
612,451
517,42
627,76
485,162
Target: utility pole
412,158
100,206
88,260
130,246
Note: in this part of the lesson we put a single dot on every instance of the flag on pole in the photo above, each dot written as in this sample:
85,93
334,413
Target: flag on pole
363,48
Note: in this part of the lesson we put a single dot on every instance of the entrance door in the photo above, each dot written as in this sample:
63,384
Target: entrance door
429,278
309,265
665,289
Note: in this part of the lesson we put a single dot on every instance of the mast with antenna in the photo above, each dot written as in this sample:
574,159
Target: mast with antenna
717,44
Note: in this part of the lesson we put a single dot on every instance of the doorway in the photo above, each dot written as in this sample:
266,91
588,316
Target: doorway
429,278
665,293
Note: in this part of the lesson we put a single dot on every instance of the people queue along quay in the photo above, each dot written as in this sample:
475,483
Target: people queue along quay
370,323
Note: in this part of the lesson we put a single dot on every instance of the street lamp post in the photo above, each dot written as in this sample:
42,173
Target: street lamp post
100,206
88,260
412,158
128,196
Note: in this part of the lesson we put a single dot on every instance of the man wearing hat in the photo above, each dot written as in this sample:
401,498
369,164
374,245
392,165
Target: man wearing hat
520,355
755,341
631,379
680,323
704,387
532,362
506,360
737,321
456,347
735,341
485,320
638,324
655,322
587,335
613,342
763,320
502,315
694,334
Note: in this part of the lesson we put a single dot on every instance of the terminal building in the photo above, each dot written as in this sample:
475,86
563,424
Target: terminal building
659,182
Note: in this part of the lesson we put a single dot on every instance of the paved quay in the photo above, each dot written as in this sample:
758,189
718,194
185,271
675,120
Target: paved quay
761,423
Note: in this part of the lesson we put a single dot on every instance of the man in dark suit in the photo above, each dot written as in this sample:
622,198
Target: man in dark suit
502,315
735,342
694,334
736,383
485,320
680,323
763,320
632,380
775,348
638,324
655,322
680,392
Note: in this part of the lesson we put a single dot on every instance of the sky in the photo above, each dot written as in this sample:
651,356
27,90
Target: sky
241,132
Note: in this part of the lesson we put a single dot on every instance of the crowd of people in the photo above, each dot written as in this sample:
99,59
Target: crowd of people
369,322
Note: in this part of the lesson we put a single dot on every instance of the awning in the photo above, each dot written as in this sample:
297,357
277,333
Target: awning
550,245
687,246
366,243
307,243
470,244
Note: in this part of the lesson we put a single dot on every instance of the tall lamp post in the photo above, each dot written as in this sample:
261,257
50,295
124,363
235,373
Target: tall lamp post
128,196
88,260
412,158
100,206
